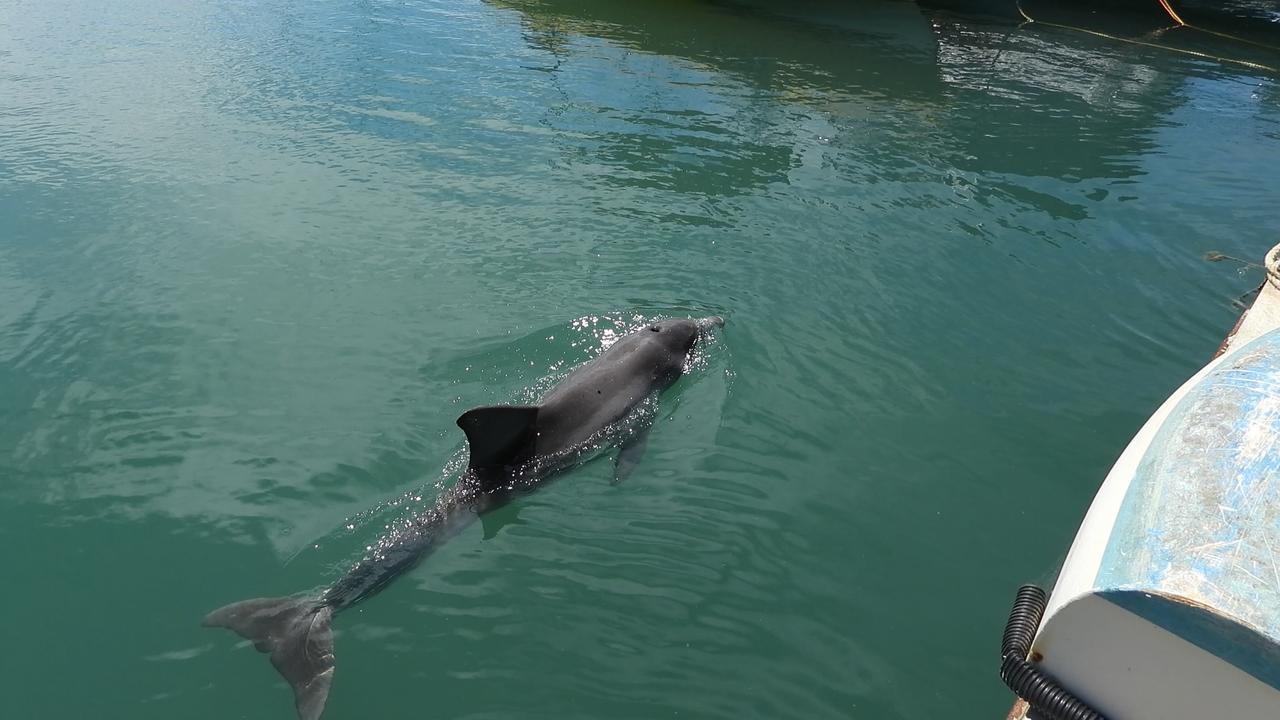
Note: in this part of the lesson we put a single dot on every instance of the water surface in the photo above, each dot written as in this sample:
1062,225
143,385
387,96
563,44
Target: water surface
256,257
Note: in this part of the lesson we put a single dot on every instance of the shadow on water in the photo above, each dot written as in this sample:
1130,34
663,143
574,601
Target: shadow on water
1085,107
792,48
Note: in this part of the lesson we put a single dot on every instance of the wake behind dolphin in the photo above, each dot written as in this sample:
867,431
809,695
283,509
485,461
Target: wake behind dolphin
512,449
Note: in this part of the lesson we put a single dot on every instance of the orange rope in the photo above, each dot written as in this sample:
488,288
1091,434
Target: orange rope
1183,23
1169,9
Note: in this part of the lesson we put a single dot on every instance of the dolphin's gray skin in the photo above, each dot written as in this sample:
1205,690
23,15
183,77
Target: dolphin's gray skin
513,449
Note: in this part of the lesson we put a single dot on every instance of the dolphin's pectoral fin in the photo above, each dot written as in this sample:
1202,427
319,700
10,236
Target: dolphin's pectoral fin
495,520
630,453
498,433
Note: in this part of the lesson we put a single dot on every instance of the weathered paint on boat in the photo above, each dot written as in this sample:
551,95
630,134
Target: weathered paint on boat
1168,605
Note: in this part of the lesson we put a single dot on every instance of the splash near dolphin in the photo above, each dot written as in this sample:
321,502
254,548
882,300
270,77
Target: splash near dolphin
513,449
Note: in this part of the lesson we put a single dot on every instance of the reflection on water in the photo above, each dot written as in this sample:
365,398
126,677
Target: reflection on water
255,257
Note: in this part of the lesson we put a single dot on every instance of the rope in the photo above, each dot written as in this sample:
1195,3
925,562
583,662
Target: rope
1183,23
1169,9
1193,53
1214,256
1246,41
1270,268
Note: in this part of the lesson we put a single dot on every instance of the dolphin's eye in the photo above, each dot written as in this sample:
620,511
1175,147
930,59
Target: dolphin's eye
654,328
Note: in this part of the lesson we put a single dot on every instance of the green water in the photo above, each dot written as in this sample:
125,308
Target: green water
256,257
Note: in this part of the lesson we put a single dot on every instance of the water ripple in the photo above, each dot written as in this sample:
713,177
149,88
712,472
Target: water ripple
256,257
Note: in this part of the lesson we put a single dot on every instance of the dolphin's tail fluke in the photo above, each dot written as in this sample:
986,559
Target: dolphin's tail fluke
297,635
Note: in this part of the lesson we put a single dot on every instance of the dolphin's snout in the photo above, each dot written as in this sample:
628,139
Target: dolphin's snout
712,321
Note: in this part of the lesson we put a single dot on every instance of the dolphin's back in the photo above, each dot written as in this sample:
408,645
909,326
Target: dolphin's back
603,392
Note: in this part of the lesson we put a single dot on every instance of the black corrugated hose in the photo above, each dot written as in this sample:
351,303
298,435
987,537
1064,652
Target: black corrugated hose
1048,699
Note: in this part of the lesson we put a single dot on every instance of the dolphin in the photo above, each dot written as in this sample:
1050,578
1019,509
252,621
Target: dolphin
513,449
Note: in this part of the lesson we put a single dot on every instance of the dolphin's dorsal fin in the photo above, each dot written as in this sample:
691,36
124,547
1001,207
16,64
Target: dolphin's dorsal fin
498,433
